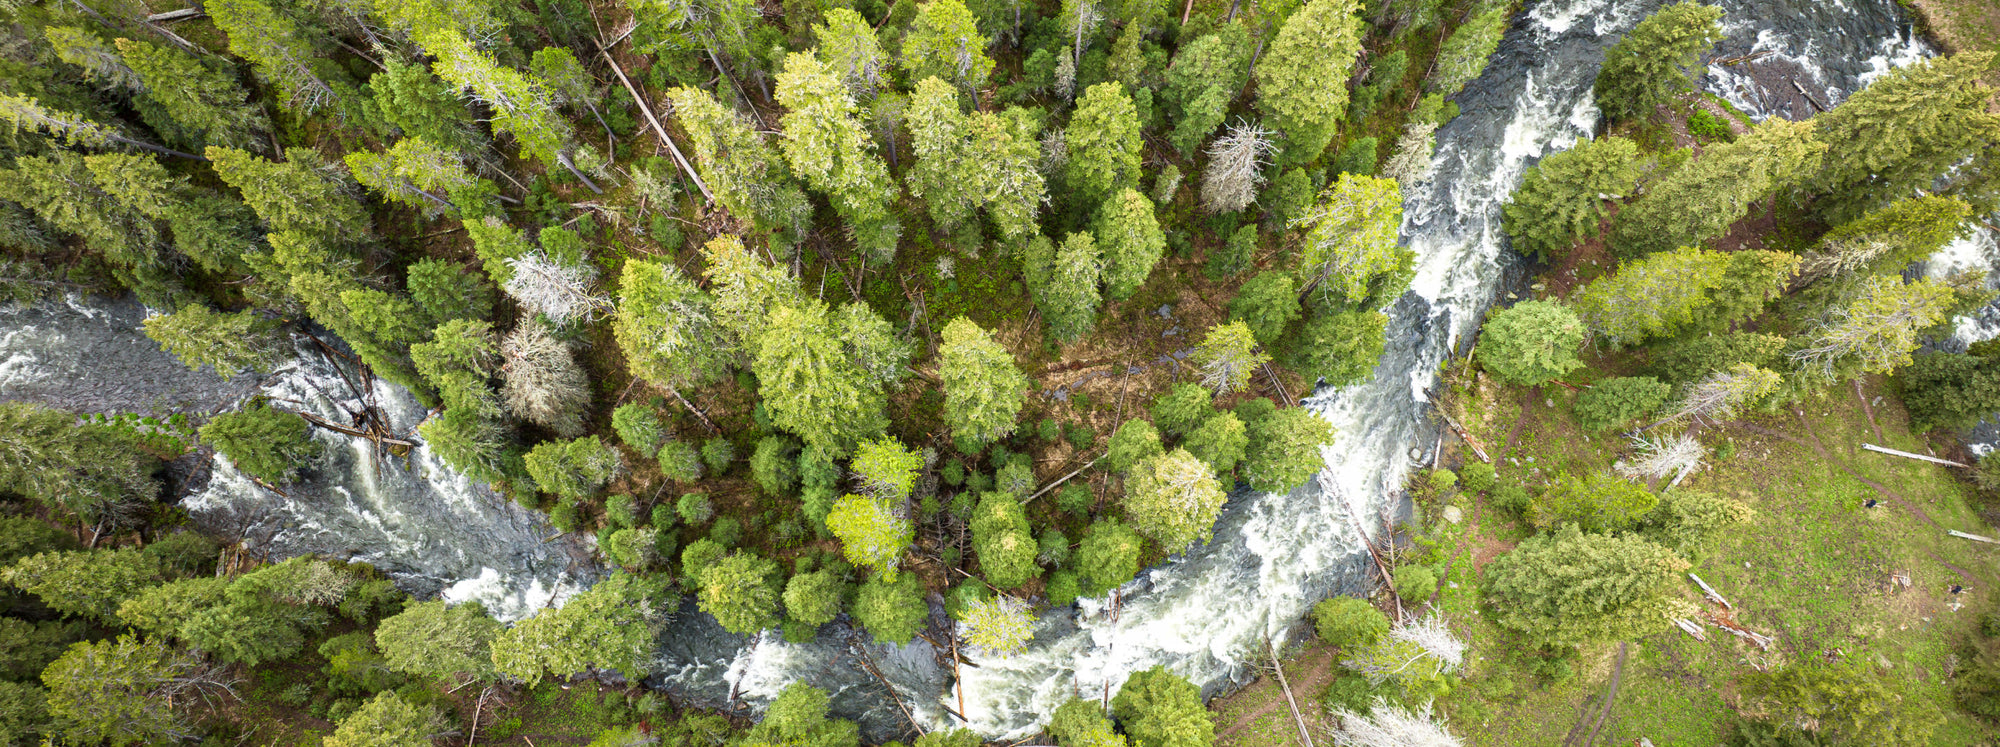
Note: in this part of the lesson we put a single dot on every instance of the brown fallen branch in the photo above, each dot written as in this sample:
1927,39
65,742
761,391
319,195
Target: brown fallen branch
697,412
337,428
1061,480
1467,436
1710,592
1278,665
647,110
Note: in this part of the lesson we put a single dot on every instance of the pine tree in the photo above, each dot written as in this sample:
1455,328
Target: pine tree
227,343
268,444
1128,233
196,94
873,344
1219,442
1656,296
1566,588
1204,78
521,104
1285,449
1464,54
1228,357
872,532
423,107
1317,44
891,611
945,42
1877,331
1134,442
303,193
1268,303
886,469
1903,131
1906,231
85,583
121,692
1531,343
1173,499
983,388
1651,64
665,326
1350,242
544,384
999,627
741,590
851,49
810,386
1561,200
745,288
47,457
831,150
1698,201
748,177
1104,144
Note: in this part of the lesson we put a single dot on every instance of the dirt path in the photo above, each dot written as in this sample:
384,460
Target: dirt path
1514,434
1318,670
1889,496
1577,736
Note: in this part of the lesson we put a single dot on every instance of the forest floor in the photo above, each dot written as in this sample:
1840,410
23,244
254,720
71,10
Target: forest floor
1814,569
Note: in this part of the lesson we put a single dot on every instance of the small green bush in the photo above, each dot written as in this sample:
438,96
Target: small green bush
1075,500
1512,498
1348,621
1440,481
694,508
1476,477
727,531
1705,126
1614,402
718,454
1415,582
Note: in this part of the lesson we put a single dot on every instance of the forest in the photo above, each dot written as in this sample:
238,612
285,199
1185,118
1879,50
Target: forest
911,322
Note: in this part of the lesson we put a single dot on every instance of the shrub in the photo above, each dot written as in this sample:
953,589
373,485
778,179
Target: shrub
1476,477
1440,481
622,510
726,531
718,453
1614,402
1188,405
694,508
1075,500
1512,498
775,465
680,462
1415,582
1348,621
1531,342
638,427
1704,125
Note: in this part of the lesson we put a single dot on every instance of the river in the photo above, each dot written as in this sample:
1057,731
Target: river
1206,615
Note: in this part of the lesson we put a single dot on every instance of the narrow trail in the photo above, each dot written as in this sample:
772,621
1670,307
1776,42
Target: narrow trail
1318,667
1820,449
1603,715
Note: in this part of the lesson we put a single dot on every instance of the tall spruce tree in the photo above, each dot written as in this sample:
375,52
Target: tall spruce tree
983,388
828,147
1297,79
1906,129
1650,65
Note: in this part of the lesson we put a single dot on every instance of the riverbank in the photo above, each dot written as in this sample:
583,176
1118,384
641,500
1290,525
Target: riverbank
1961,26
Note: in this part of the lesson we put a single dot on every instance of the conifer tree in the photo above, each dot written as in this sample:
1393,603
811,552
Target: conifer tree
1558,203
1204,78
746,174
983,388
1651,64
1464,54
422,106
1905,231
848,44
665,326
1128,234
1317,44
1566,588
872,532
521,104
1350,242
1068,293
741,590
1134,442
810,386
745,289
1104,145
268,444
281,51
1173,499
945,42
1877,331
437,639
61,190
873,344
47,457
1219,442
611,625
573,469
1160,709
217,232
831,150
199,97
1228,356
1531,343
302,193
1285,448
969,162
1698,201
1903,131
121,691
1268,303
227,343
84,583
1659,295
446,291
414,172
387,720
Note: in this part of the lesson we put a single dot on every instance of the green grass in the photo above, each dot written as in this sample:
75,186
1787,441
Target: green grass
1811,569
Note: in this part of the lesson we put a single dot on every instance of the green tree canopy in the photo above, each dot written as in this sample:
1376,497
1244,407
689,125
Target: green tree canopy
435,639
1104,144
891,611
1160,709
1567,588
270,445
1560,201
1349,248
1651,63
1173,499
610,625
1285,448
872,532
1531,342
983,388
387,720
1903,131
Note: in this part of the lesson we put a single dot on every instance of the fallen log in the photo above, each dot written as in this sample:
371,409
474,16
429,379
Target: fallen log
1710,591
1908,455
1973,537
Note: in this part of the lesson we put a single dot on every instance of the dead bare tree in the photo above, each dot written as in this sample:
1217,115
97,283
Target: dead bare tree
1236,164
562,292
544,383
1659,457
1391,726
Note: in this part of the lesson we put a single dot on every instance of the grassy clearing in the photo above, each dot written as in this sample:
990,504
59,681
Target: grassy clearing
1813,570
